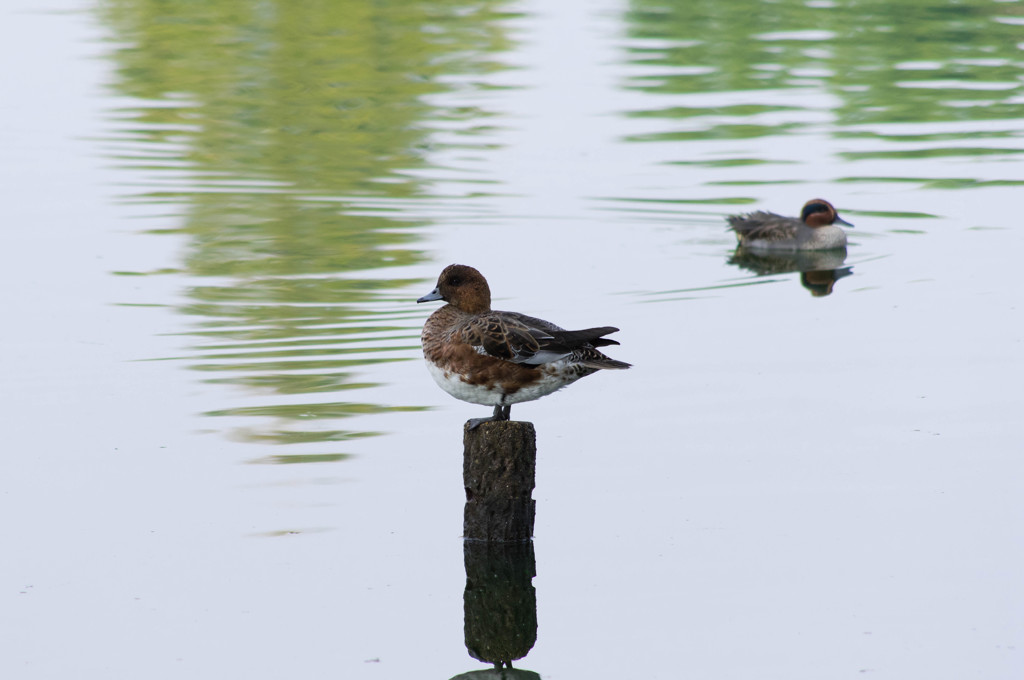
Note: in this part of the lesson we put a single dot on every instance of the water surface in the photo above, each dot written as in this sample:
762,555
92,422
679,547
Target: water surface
226,456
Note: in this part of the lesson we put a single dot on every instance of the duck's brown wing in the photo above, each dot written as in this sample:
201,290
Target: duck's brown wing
588,337
525,340
764,226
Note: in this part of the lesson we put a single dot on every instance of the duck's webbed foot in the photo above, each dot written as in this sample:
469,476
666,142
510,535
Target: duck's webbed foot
474,423
501,412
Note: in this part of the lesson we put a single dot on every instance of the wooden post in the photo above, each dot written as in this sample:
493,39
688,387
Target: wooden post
498,469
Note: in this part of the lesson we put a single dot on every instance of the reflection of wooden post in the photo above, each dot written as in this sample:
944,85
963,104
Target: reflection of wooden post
500,601
499,465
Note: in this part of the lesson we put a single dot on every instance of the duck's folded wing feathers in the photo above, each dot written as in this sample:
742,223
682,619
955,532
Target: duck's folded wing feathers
766,226
524,340
502,337
572,339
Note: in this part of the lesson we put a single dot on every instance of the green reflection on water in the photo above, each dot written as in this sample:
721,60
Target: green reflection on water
302,458
336,410
723,131
262,130
889,67
886,60
939,183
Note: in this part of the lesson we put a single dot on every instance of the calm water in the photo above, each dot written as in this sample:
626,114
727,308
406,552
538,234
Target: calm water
225,457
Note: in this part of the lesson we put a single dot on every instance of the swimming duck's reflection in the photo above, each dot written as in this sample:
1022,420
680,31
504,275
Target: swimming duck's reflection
500,606
819,270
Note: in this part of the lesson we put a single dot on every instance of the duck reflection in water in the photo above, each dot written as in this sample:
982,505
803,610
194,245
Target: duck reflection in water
819,269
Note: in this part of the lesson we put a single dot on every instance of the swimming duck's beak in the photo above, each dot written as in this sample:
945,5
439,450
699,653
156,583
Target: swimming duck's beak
840,220
431,296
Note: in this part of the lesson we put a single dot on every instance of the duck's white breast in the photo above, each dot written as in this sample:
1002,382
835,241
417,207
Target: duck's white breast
551,380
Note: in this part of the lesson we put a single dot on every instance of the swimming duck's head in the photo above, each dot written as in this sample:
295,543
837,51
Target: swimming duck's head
818,212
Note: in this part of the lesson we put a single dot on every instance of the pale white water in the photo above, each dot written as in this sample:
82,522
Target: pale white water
783,486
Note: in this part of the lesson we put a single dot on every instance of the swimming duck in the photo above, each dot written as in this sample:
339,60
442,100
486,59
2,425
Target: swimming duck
494,358
814,230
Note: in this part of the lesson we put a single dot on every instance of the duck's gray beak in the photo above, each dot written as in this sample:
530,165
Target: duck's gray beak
840,220
431,296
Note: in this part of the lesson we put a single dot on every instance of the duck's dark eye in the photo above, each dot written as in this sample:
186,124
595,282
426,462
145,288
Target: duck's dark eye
455,281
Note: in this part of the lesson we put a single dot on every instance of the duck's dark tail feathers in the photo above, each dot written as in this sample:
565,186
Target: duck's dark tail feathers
587,336
581,345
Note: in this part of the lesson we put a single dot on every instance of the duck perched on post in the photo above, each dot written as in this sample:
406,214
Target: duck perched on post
815,229
494,358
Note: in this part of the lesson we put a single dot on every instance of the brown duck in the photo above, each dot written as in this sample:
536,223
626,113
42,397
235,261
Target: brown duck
494,358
